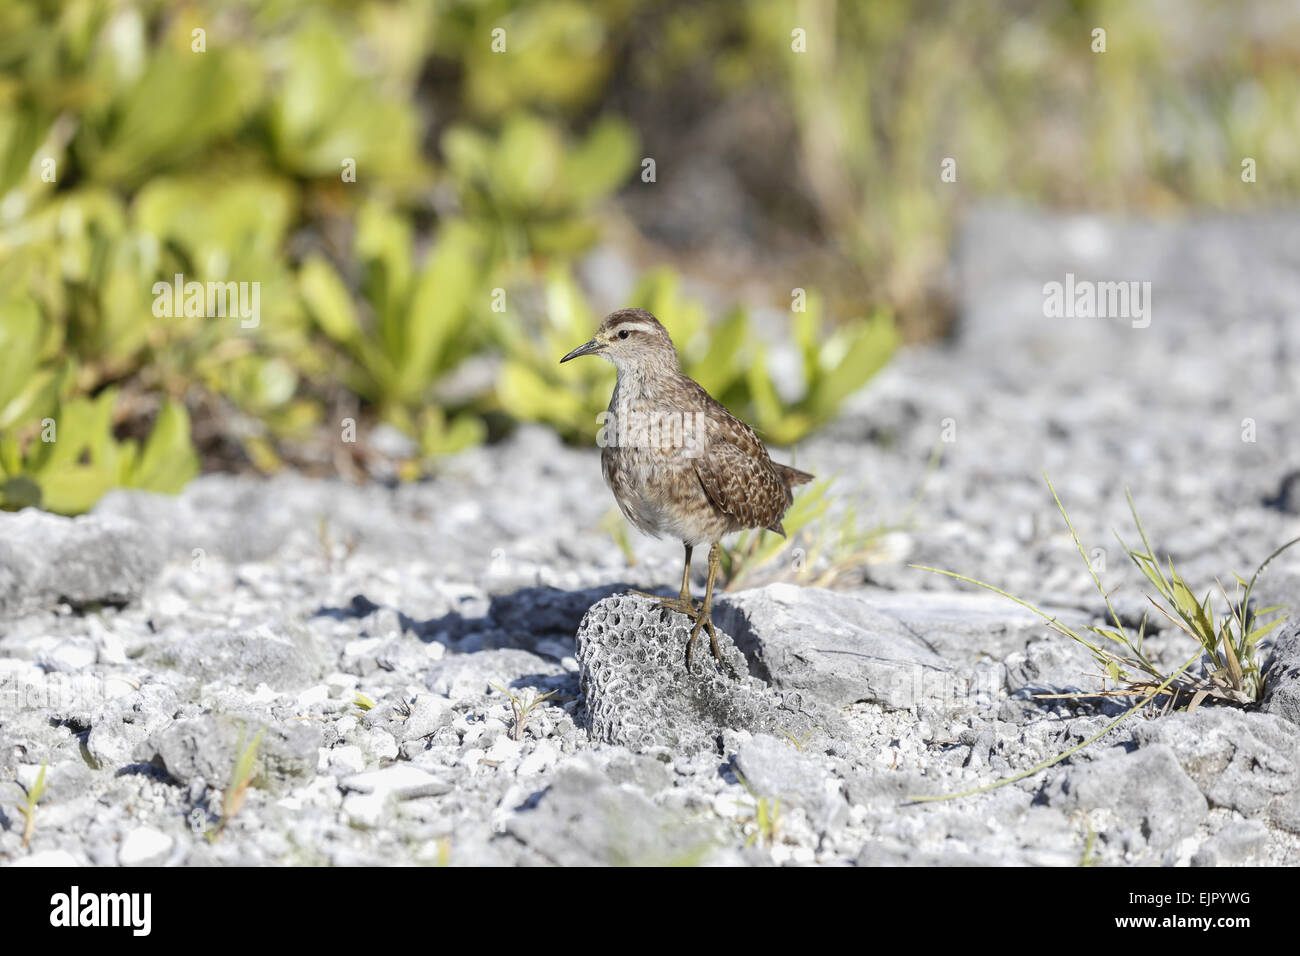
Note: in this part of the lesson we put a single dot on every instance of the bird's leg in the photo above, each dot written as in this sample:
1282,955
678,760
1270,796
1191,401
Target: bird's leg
683,603
685,595
704,616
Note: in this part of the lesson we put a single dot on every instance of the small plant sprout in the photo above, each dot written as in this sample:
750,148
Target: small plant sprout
1089,843
241,778
766,818
522,709
798,743
362,703
31,797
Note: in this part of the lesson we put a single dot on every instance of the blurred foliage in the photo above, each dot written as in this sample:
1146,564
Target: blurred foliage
727,358
528,191
419,320
386,171
1017,96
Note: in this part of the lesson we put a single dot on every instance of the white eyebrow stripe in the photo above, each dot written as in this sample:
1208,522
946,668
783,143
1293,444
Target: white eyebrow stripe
631,327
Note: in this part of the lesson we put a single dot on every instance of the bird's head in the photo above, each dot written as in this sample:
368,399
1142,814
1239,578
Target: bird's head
631,339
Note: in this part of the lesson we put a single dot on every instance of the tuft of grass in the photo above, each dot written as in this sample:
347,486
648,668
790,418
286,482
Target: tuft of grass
1227,653
1229,642
1231,647
27,808
241,778
767,816
523,709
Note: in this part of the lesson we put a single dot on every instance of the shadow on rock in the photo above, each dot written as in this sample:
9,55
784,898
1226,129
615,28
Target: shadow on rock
541,620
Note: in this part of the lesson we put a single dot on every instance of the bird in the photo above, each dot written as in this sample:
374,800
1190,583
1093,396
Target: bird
677,461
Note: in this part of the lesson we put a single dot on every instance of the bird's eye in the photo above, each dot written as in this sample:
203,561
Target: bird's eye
624,334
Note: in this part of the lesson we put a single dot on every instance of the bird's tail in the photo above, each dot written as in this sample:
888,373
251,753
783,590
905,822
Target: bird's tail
793,476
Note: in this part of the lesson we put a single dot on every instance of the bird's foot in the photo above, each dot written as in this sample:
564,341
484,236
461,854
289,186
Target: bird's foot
682,603
704,619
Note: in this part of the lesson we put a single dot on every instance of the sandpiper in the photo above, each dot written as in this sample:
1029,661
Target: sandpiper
677,461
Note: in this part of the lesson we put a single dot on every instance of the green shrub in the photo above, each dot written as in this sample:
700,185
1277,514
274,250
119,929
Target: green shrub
411,329
724,357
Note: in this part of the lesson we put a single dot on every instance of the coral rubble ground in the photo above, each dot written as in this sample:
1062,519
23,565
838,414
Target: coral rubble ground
370,635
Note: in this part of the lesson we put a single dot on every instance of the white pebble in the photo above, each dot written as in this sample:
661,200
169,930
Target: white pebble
347,759
381,745
144,846
542,758
504,749
313,695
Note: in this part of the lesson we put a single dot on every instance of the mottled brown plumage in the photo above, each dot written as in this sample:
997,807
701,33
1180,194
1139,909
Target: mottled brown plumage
677,461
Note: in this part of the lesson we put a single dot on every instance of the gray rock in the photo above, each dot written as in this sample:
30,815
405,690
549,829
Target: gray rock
837,648
403,782
1239,843
46,560
582,819
119,725
1284,812
373,794
1240,760
632,660
245,658
890,852
216,515
962,627
1054,665
774,768
1282,675
460,675
1145,789
641,771
206,748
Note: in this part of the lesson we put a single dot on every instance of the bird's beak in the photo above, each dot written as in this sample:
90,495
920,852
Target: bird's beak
588,349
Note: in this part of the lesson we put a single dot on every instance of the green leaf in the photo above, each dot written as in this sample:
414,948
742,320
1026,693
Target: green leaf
168,460
329,301
723,364
20,341
602,161
383,243
1258,633
439,309
871,346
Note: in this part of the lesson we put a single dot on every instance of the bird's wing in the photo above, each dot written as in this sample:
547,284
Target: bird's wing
736,473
